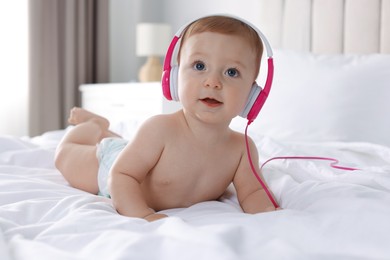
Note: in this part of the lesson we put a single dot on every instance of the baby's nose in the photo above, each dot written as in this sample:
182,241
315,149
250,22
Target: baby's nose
213,81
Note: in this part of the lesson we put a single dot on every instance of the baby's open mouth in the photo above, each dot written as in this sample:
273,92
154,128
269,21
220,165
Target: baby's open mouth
211,102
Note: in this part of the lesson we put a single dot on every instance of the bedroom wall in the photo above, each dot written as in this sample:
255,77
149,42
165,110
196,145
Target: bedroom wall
125,14
178,12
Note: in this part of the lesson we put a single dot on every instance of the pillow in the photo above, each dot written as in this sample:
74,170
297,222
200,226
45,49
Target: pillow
327,98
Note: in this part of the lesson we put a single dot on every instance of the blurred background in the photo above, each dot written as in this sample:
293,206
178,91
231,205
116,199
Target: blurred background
49,47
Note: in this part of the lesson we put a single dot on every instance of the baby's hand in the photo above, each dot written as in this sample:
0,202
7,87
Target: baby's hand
155,216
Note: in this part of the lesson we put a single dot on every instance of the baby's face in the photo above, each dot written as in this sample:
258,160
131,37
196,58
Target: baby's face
216,73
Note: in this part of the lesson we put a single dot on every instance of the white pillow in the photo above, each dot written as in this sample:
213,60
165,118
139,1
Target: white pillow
328,98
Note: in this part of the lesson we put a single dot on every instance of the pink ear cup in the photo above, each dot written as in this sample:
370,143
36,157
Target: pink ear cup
257,106
165,82
169,84
166,78
262,97
174,83
252,97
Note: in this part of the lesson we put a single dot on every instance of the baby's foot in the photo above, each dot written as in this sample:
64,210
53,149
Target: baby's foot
79,115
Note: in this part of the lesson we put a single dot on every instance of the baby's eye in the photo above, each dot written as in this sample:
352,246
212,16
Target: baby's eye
232,73
199,65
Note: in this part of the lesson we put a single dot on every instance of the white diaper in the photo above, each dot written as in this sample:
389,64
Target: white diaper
107,152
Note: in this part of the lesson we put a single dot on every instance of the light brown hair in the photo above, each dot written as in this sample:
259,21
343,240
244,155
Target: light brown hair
225,25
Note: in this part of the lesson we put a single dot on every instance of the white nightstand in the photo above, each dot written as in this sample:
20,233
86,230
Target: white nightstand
123,101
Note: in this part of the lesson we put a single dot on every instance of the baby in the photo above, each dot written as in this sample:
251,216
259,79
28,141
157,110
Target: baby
180,159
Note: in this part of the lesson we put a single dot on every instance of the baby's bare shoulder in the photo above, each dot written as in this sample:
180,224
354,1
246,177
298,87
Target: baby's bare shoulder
238,141
237,138
164,123
155,131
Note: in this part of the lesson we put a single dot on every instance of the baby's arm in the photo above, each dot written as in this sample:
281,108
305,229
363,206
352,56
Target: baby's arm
251,195
130,170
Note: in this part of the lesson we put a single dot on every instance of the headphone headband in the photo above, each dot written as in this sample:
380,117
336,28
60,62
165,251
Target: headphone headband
268,48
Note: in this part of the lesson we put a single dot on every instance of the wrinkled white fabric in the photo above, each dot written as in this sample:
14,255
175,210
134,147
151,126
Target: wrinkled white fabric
328,213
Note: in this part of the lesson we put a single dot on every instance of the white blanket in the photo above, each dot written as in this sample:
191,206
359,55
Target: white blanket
328,213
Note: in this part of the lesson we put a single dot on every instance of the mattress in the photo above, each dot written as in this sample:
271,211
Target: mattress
327,213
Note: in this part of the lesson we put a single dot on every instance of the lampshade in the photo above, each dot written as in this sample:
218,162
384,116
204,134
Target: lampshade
152,39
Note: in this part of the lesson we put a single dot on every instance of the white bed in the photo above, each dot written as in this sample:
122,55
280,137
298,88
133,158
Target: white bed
320,105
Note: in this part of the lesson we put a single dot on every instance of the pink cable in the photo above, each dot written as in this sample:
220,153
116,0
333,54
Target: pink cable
333,164
276,205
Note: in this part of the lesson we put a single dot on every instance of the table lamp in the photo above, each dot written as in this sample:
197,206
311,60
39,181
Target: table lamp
152,42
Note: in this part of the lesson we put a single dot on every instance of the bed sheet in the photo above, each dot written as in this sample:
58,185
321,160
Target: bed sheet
328,213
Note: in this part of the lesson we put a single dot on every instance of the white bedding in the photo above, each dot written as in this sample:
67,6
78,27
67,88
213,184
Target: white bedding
328,213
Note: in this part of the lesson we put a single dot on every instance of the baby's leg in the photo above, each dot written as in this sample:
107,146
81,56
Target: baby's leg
79,115
76,154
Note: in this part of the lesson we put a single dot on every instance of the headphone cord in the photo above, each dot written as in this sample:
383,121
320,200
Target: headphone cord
276,205
333,164
333,161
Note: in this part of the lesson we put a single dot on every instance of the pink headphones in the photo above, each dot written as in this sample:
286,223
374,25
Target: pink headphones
257,95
